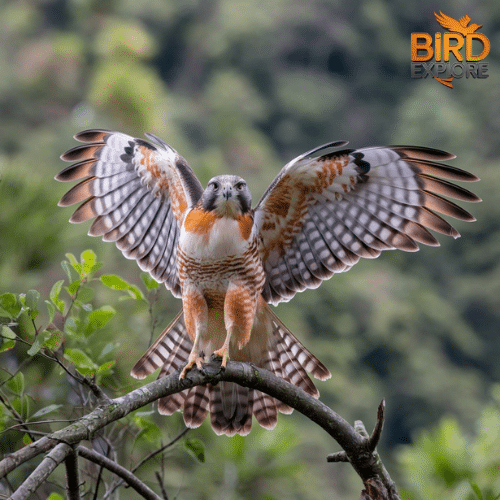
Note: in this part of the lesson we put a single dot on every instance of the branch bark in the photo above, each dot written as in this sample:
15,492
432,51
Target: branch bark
57,455
120,471
358,448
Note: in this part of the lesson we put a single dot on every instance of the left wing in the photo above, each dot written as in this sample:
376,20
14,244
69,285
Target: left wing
138,192
326,210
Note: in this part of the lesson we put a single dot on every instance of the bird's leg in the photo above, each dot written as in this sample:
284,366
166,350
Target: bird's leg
223,352
239,311
194,357
196,319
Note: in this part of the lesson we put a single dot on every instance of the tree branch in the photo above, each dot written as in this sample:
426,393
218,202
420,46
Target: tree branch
358,448
147,458
40,474
120,471
72,476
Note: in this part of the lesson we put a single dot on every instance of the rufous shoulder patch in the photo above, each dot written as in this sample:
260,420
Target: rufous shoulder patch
199,221
245,223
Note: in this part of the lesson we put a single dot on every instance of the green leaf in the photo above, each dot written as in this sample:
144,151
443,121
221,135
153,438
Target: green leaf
7,333
114,282
80,360
32,298
149,282
55,496
107,349
8,339
72,326
35,347
67,269
51,309
26,440
23,405
73,287
85,294
39,342
195,448
7,344
54,340
16,383
88,258
98,318
149,430
117,283
54,295
105,369
476,490
75,264
10,304
45,411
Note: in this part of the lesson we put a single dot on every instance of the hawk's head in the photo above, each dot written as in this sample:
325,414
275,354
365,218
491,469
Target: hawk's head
228,195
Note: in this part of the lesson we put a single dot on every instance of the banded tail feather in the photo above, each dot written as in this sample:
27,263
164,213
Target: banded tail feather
231,406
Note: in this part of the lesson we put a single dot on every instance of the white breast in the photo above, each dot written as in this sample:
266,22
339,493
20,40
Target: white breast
221,241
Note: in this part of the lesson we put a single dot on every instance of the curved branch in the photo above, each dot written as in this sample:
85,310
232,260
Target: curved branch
120,471
44,469
147,458
358,448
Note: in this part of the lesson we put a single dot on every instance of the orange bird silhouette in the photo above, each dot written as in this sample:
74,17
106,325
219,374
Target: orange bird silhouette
461,27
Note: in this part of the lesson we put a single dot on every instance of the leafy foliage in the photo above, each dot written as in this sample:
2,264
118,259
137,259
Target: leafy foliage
449,463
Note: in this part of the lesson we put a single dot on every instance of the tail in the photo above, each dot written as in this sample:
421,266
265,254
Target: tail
231,406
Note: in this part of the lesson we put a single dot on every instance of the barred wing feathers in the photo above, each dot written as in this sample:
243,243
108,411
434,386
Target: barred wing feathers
138,193
325,210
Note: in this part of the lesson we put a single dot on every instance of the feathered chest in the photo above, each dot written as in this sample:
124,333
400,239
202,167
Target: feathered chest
214,251
206,236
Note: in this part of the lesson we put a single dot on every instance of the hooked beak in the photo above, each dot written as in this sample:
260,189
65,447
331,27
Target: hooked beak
227,192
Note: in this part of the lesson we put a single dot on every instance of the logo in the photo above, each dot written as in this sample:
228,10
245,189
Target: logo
456,53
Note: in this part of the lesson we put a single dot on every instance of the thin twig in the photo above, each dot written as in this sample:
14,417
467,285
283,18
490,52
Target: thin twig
379,425
159,450
162,486
148,457
72,476
98,482
117,469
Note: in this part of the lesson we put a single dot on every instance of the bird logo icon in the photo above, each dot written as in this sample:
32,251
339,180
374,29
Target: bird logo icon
451,24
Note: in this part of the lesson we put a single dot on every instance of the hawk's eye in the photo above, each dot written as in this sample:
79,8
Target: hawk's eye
240,186
214,186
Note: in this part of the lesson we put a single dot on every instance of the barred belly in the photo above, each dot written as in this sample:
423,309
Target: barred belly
214,276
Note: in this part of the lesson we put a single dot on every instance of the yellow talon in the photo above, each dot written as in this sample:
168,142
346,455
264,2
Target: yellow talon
223,353
194,359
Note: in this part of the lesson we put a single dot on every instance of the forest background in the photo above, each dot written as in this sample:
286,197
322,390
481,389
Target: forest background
243,87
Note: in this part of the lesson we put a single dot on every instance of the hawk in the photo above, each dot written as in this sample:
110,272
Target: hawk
227,261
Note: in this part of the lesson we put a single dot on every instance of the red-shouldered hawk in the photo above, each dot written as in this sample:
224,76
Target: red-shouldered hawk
324,211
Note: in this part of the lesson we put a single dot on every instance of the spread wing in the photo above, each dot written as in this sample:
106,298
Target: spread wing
138,191
448,22
326,210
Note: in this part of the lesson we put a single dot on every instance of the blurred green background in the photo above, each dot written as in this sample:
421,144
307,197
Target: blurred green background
243,87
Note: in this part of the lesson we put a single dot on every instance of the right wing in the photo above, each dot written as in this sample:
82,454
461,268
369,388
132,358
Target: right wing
139,193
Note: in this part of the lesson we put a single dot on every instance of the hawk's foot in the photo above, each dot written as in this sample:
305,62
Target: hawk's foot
194,359
223,353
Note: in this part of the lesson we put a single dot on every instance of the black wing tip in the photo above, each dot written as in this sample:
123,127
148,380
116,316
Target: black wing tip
139,373
158,141
92,134
324,147
423,153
